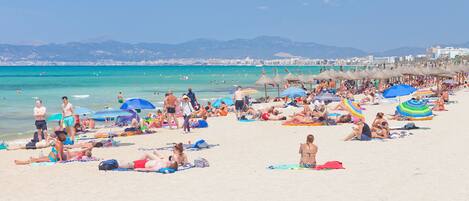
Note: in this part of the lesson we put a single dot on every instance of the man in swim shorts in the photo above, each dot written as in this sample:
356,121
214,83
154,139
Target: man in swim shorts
40,117
170,103
68,121
239,101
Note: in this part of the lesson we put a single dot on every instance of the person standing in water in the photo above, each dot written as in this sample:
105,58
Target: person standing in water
170,103
239,101
193,99
40,117
120,97
68,120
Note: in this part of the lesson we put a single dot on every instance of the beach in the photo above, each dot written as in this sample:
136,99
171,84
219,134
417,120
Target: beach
428,165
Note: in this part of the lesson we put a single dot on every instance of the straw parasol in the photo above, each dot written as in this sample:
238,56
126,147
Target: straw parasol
264,80
277,80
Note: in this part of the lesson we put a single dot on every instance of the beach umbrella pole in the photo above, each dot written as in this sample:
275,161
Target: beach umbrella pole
265,90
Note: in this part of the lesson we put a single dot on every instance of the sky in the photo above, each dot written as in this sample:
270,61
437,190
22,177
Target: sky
371,25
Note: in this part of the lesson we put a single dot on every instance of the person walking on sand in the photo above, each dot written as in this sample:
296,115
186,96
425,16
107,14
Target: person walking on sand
40,117
239,101
67,117
170,103
194,102
308,152
187,110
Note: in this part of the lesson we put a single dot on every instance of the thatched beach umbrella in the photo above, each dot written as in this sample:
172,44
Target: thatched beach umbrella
277,80
264,80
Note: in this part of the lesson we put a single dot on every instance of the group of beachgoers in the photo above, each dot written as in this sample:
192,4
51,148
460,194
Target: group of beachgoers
194,113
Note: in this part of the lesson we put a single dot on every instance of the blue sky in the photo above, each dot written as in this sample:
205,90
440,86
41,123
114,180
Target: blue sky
367,24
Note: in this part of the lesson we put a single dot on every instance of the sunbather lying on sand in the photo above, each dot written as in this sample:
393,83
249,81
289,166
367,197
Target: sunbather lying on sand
58,154
150,162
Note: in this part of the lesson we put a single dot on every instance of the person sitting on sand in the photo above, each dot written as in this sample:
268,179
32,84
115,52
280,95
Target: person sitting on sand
381,131
202,112
378,121
445,96
150,162
57,153
134,126
439,105
362,132
306,109
178,155
308,153
223,110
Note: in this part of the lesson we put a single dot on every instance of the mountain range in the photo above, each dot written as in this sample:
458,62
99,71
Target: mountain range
263,47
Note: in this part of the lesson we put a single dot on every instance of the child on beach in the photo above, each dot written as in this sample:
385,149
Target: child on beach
308,153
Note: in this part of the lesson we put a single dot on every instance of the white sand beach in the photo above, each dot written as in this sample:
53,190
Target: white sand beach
429,165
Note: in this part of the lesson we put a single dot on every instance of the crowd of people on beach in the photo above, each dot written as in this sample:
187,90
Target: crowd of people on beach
308,110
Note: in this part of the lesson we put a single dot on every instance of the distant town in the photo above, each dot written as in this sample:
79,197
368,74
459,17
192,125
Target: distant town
433,53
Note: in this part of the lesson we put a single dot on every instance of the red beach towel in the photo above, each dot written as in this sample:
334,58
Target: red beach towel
330,165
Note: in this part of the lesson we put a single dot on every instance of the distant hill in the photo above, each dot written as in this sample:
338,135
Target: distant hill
263,47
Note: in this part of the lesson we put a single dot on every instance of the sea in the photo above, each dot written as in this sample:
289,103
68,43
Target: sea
96,87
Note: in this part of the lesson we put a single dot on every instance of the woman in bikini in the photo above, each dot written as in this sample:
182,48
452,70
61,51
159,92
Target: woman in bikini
57,154
308,153
178,155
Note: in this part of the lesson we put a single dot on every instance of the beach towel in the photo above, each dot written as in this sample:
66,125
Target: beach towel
330,165
163,170
67,161
399,134
246,120
187,147
303,124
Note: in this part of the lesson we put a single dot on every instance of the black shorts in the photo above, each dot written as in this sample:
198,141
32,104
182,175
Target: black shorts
239,104
41,124
171,110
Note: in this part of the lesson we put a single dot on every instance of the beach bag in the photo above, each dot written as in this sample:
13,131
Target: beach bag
409,126
201,144
108,165
31,145
201,163
203,124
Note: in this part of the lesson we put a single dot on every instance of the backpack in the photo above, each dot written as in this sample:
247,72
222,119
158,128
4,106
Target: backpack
108,165
200,144
201,162
410,126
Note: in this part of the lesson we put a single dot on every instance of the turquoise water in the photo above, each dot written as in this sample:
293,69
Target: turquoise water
96,87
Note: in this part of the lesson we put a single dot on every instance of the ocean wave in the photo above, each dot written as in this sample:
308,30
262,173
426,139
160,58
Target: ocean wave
81,96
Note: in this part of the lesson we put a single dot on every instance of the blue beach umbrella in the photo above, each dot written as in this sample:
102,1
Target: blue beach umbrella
228,101
83,111
293,92
110,114
398,90
326,97
137,104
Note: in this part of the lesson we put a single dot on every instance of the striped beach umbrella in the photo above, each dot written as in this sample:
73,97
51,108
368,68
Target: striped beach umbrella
415,109
353,108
